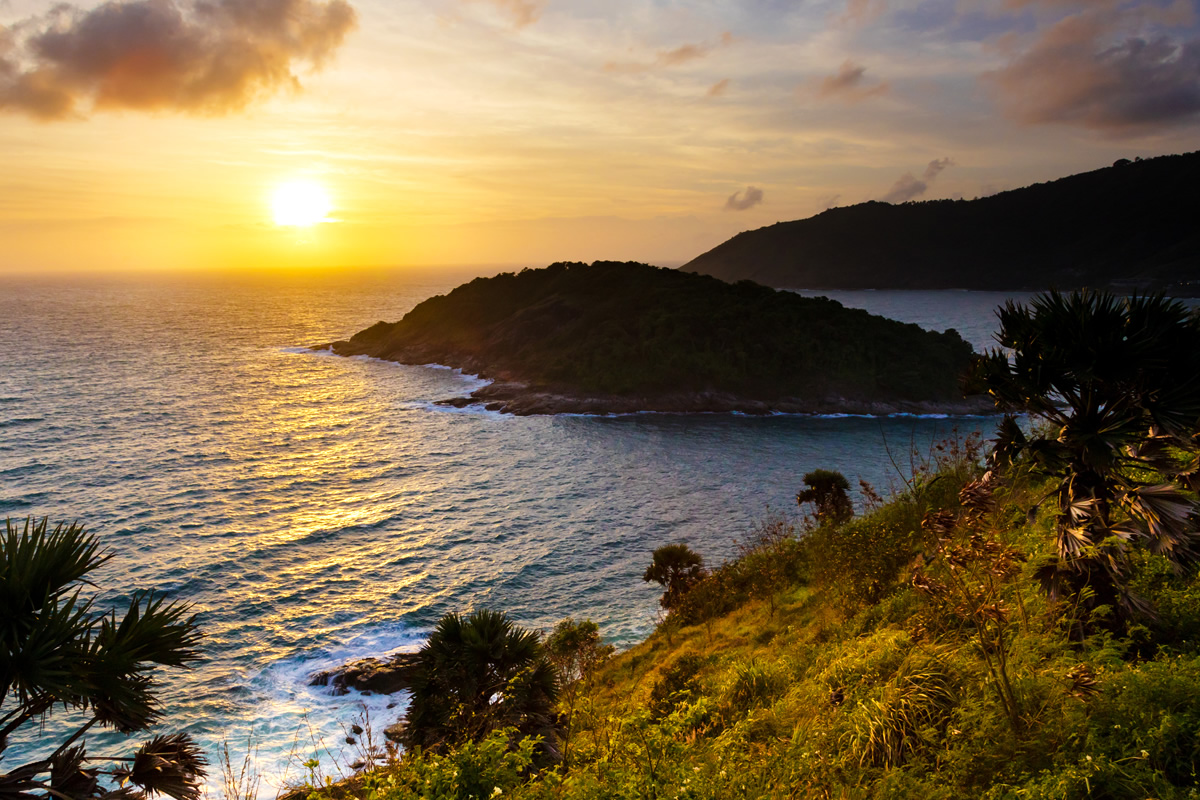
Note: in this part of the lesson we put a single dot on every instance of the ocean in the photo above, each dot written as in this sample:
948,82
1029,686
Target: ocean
315,509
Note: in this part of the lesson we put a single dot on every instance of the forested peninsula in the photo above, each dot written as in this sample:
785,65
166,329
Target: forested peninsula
1126,227
614,337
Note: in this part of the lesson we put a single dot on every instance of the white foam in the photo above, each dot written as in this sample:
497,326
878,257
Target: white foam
294,722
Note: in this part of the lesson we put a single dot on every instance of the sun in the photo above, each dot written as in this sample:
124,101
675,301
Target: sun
300,204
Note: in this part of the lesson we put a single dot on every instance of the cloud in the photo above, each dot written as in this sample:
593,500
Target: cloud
673,57
191,56
719,88
521,12
1087,70
847,84
935,167
909,187
861,12
740,201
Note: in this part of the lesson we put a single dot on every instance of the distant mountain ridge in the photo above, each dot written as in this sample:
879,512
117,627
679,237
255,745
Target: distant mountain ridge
1129,226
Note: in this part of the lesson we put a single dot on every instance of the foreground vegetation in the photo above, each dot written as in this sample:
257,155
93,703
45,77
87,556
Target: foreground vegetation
907,652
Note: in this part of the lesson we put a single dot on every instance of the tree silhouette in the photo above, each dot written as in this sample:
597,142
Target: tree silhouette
677,568
478,673
827,492
56,650
1116,383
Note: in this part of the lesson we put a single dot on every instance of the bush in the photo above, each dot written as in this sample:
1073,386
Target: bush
677,685
477,674
491,767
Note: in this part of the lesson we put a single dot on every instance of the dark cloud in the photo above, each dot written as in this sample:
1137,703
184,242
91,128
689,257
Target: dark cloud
905,189
909,187
849,83
673,57
203,56
740,201
935,167
1086,70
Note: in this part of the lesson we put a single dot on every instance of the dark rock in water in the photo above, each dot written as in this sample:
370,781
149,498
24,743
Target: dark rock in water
368,675
394,732
455,402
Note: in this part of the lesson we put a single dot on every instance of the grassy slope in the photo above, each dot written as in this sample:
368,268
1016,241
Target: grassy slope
626,328
857,686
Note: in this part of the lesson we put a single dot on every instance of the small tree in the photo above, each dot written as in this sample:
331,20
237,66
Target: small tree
1116,383
827,492
576,650
55,649
477,674
677,568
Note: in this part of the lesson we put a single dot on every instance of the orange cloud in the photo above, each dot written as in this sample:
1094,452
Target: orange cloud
849,84
206,56
674,57
522,12
719,88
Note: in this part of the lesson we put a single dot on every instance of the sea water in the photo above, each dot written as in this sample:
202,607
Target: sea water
315,509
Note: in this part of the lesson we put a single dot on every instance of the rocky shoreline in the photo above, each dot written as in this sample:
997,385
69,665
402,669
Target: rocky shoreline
510,397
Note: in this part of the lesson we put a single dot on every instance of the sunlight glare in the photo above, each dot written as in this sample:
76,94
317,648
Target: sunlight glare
300,204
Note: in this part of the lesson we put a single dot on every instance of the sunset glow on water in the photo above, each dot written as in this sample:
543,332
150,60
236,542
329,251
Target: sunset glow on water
317,509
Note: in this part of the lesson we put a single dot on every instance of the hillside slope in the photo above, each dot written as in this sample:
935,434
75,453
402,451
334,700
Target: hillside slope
1128,226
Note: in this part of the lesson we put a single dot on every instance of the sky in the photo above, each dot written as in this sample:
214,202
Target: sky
154,134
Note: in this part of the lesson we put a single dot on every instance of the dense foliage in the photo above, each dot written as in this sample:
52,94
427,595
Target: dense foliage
1123,226
476,674
627,329
1115,385
57,650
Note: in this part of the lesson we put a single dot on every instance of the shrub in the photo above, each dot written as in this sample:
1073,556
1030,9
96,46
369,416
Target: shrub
477,674
491,767
678,684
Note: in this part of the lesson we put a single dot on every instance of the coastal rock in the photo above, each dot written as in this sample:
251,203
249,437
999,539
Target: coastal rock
521,400
371,675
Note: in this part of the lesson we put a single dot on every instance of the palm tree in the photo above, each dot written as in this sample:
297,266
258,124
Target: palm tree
56,650
827,492
476,674
676,568
1115,385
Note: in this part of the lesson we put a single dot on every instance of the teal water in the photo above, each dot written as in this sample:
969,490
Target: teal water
316,509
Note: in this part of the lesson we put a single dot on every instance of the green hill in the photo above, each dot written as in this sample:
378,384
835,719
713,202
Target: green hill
625,337
1127,226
